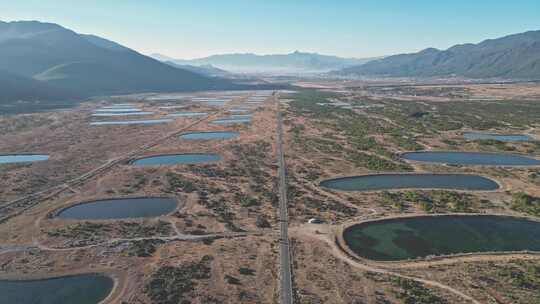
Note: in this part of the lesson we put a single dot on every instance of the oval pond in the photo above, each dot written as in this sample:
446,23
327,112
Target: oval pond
80,289
174,159
378,182
120,208
500,137
471,158
409,238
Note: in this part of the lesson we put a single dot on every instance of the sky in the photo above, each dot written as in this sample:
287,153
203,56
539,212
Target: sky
348,28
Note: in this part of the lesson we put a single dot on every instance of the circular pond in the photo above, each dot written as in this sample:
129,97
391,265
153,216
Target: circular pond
80,289
378,182
174,159
22,158
119,208
416,237
209,135
471,158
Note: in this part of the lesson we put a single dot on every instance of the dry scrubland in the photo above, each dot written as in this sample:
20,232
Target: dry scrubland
217,246
325,141
220,245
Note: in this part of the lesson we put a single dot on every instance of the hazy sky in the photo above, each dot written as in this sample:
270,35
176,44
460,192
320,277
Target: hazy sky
353,28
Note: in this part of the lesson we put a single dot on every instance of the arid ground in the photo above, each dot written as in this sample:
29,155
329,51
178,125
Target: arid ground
221,244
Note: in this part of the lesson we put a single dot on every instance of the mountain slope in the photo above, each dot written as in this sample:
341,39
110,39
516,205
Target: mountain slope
88,64
17,88
293,62
514,56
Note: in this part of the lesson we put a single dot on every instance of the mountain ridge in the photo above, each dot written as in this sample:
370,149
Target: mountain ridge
89,64
512,56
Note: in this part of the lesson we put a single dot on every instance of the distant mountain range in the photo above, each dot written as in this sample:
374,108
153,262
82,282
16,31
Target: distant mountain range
513,57
53,60
207,69
296,62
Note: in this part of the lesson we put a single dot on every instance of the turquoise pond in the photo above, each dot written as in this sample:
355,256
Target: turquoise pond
471,158
174,159
22,158
499,137
209,135
187,114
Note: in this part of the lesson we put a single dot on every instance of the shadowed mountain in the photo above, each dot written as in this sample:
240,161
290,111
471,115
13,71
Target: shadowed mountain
87,64
20,94
297,62
15,88
514,56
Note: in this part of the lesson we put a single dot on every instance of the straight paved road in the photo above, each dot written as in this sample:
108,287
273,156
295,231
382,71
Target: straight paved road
286,280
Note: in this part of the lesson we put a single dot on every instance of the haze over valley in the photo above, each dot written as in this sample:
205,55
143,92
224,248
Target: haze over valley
292,63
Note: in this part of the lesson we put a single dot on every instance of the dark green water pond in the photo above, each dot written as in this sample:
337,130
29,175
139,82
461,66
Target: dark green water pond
409,238
410,181
120,208
79,289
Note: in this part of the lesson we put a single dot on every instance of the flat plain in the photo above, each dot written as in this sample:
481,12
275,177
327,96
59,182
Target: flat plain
221,243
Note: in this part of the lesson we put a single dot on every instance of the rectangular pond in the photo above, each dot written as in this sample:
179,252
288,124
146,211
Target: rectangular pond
235,111
215,103
205,135
130,122
172,107
103,114
22,158
230,121
118,110
240,116
119,106
187,114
